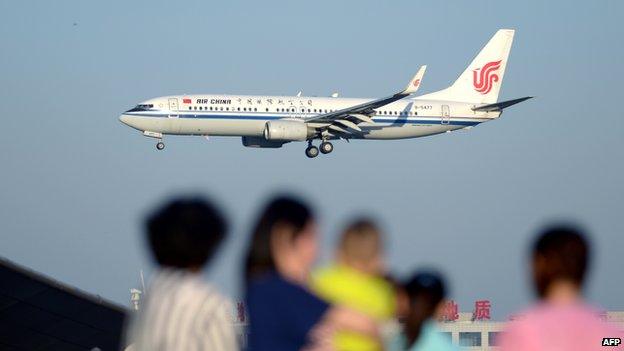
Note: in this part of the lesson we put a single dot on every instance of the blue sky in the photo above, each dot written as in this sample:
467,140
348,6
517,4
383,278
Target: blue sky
75,183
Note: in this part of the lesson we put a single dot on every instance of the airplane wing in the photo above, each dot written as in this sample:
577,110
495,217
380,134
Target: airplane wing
349,117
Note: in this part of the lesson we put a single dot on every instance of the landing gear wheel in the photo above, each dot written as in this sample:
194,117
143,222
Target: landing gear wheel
326,147
311,151
160,145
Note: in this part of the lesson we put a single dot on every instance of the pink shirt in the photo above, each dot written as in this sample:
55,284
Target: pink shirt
553,327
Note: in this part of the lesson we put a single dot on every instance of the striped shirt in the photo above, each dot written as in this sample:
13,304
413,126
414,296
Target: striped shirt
182,312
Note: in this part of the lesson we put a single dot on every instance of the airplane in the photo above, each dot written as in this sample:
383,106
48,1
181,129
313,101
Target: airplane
272,121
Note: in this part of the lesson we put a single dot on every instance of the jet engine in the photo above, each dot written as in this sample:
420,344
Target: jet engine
286,131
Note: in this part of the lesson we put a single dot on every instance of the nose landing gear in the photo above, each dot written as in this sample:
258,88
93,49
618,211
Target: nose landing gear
160,145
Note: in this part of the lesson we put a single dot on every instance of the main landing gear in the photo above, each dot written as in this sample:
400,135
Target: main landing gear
312,151
160,145
326,147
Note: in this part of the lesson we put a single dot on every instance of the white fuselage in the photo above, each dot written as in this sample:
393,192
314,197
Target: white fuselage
239,115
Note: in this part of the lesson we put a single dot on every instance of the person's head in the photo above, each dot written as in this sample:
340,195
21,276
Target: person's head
560,256
426,291
283,240
184,233
361,247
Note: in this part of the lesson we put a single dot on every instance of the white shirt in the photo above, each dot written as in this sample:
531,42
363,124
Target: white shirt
182,312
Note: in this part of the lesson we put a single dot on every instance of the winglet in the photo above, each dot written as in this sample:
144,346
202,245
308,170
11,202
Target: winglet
414,84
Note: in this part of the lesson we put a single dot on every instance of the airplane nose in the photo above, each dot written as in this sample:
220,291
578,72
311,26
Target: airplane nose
125,119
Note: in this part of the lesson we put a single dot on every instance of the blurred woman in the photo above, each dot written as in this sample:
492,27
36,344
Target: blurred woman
283,313
426,294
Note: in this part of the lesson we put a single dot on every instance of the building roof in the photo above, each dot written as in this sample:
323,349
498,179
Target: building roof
39,313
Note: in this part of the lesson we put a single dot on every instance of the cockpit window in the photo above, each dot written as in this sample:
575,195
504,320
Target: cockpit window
142,107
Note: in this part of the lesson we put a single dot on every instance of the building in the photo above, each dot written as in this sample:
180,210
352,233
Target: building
482,334
40,313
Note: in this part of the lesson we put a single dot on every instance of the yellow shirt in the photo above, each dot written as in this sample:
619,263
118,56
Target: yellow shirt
368,294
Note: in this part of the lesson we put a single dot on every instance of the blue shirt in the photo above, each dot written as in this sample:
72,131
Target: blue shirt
430,339
281,314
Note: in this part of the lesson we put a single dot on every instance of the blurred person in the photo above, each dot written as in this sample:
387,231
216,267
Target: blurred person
561,320
283,313
181,310
426,294
356,280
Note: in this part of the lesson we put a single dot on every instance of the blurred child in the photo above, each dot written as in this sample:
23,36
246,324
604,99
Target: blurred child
356,280
426,294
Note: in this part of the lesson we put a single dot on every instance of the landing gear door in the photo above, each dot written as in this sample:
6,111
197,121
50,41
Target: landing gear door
173,108
446,114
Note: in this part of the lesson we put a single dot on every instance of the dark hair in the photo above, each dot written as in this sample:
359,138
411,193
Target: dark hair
283,210
185,232
425,290
564,255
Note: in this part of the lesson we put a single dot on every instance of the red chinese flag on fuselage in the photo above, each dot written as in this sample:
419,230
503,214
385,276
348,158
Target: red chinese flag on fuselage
186,101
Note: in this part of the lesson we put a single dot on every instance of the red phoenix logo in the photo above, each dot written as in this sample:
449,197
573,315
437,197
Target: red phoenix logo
484,77
416,82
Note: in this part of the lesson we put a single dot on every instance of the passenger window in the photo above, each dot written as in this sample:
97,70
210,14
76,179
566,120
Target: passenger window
190,108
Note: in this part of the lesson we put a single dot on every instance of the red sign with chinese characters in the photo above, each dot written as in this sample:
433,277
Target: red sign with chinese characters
450,311
482,310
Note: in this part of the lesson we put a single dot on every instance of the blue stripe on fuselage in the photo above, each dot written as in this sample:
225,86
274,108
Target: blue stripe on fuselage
270,116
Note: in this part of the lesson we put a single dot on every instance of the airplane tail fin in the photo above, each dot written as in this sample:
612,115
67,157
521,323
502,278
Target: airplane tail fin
482,79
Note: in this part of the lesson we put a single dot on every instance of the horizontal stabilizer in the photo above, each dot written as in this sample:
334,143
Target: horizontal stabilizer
499,106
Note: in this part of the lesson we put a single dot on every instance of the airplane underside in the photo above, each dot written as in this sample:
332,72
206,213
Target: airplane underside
253,129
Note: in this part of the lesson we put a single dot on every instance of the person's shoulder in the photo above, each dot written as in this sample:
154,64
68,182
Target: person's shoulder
210,291
432,339
591,314
325,276
271,284
327,272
